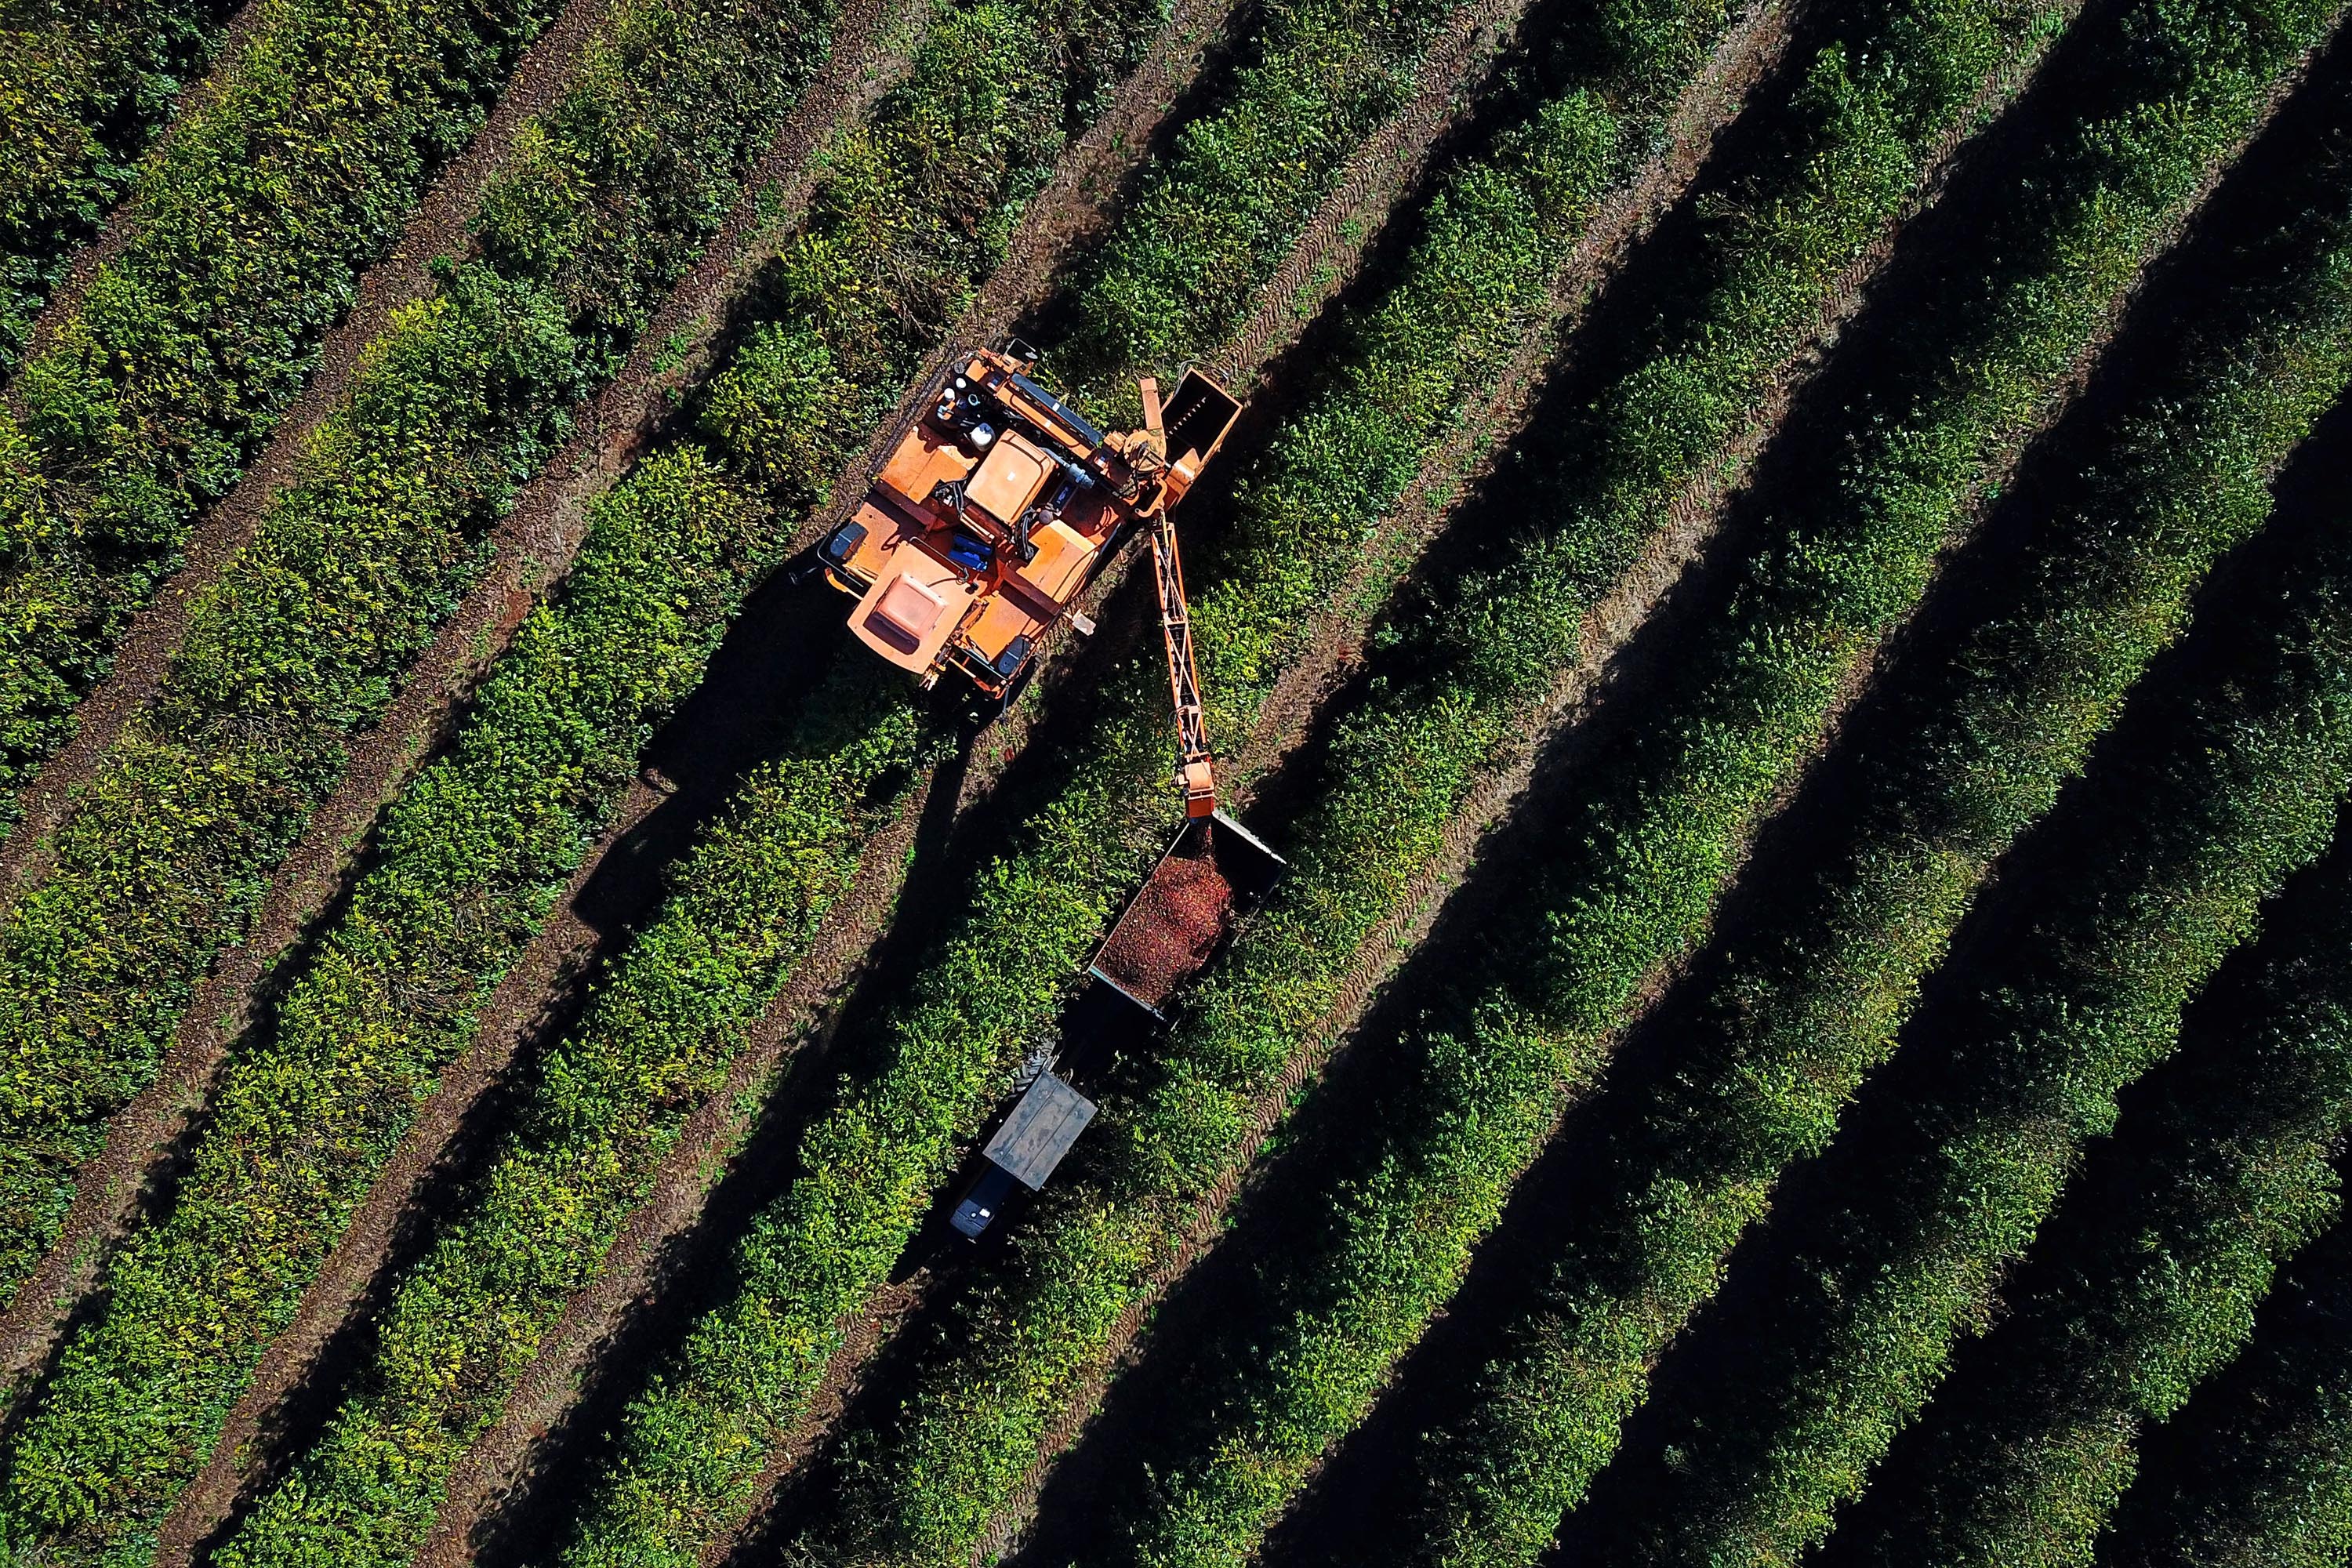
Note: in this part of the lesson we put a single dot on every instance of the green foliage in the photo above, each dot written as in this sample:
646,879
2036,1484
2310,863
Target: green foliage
607,1106
2126,1306
1211,219
247,232
989,989
1970,749
667,1022
2168,858
306,1114
1466,1098
2259,1472
355,564
84,85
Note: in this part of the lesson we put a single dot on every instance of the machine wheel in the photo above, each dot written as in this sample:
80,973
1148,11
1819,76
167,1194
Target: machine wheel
1015,687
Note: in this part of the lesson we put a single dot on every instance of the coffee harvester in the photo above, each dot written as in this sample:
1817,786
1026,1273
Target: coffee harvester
980,532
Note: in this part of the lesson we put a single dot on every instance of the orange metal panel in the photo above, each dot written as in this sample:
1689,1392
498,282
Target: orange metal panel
1060,567
1001,618
916,604
924,459
885,531
1009,478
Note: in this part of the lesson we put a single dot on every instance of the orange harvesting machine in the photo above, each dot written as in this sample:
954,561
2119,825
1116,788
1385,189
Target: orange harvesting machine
997,508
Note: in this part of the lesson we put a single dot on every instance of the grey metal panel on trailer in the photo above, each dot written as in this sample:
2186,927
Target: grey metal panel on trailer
1040,1131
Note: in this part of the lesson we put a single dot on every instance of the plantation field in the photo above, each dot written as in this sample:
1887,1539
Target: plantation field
1780,592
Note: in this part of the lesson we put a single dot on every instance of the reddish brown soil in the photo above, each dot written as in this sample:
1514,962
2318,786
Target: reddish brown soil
1171,929
437,228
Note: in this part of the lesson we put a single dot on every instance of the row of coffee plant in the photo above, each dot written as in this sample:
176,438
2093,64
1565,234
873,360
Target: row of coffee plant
2257,1468
246,234
86,86
2126,1307
2148,875
1473,1088
1959,754
302,641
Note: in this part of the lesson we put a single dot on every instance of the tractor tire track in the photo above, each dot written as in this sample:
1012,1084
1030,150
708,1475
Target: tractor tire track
143,656
532,549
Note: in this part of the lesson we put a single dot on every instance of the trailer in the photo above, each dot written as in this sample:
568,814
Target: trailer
1212,871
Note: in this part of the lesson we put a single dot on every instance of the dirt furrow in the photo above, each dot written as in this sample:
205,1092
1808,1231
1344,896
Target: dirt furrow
1746,54
1995,482
143,655
532,549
